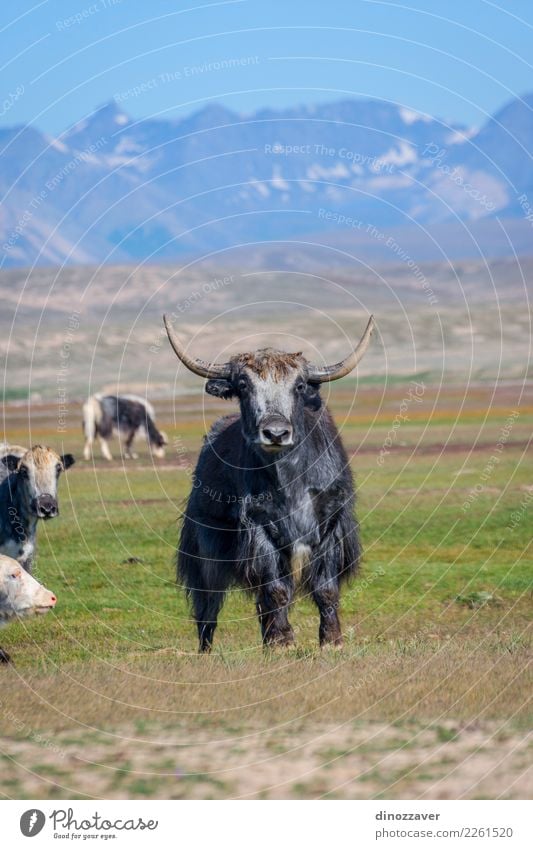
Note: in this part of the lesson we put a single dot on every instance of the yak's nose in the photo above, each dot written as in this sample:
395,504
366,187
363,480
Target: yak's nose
276,432
46,506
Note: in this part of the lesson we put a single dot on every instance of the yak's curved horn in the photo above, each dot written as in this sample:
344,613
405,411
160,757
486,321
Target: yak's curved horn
199,367
322,374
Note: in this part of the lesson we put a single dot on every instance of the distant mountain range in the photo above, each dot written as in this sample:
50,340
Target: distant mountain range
348,176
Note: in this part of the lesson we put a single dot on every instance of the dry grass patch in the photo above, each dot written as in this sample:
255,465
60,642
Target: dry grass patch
396,680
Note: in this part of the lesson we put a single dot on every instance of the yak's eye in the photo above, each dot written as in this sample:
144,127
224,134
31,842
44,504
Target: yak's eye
300,387
242,385
59,468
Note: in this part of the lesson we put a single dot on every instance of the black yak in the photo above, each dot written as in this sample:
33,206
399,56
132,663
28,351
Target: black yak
272,504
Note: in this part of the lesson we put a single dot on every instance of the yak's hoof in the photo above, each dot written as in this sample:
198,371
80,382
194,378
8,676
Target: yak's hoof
337,643
5,657
279,641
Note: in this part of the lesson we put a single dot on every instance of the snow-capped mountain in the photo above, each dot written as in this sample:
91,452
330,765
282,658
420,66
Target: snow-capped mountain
112,189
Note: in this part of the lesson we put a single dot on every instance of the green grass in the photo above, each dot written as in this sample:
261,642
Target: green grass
423,552
436,626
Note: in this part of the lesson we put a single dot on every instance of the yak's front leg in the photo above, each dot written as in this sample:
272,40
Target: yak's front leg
206,606
325,576
274,598
212,580
273,602
268,564
104,447
129,452
326,598
88,448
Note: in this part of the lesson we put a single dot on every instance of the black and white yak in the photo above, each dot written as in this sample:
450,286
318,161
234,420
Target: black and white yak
127,415
272,503
28,493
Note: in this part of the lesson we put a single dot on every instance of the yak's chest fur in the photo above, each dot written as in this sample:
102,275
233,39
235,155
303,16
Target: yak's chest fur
285,511
249,509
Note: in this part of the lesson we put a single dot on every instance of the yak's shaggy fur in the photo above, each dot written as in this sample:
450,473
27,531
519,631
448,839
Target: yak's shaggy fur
270,518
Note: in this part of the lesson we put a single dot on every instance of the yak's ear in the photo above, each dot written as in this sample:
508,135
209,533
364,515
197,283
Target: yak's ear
312,398
67,460
10,462
220,388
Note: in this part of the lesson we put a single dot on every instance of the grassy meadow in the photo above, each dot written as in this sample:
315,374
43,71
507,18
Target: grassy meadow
430,698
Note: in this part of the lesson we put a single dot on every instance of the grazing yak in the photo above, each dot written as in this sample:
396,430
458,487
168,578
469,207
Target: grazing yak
104,415
20,595
27,494
272,504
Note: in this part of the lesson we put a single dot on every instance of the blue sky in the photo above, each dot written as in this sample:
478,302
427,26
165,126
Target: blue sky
459,60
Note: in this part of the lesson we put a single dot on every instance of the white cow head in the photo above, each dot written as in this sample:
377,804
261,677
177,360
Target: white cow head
20,594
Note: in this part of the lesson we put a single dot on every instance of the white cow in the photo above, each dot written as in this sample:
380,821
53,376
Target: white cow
20,595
